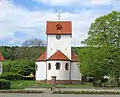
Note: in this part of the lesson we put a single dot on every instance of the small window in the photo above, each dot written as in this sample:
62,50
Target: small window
66,66
36,67
49,66
57,66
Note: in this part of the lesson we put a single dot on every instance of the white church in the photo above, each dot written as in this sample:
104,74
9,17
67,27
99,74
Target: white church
58,60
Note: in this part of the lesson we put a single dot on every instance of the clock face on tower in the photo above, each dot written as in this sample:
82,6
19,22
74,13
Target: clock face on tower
58,36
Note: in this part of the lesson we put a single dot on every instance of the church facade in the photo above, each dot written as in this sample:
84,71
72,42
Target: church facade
58,60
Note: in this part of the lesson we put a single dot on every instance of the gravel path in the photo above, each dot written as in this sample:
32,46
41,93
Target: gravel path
53,95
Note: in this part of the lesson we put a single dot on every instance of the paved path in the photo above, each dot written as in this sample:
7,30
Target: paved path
53,95
74,89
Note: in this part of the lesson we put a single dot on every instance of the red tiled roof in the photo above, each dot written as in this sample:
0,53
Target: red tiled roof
1,57
58,56
42,57
74,57
52,27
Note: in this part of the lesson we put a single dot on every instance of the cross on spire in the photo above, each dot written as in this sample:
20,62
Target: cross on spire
59,15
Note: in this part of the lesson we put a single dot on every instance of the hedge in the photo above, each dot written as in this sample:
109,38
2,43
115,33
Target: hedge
29,78
11,76
5,84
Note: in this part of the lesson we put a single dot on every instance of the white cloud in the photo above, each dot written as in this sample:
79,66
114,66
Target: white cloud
17,19
58,2
102,2
75,2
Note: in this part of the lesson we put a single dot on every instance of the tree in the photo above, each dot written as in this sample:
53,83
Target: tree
33,43
104,35
23,67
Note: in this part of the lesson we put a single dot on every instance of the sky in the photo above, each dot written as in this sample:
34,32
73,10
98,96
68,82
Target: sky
26,19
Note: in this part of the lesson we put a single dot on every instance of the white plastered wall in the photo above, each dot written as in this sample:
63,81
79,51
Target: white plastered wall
41,70
75,71
61,74
63,44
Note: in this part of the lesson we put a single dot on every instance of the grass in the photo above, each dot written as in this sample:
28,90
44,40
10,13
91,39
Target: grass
87,85
21,84
44,85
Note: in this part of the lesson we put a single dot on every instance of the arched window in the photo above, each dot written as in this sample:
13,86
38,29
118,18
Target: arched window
57,66
49,66
66,66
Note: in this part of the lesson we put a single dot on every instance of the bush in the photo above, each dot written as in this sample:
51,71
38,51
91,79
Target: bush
29,78
97,83
24,67
11,76
5,84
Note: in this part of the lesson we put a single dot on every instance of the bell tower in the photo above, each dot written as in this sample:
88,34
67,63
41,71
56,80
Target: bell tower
59,35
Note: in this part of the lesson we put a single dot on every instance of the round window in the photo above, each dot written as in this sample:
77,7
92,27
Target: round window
58,36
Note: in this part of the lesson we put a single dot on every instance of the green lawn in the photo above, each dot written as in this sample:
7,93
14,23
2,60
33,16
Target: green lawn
87,85
21,84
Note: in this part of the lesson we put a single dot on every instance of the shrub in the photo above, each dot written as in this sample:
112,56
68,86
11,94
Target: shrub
29,78
97,83
11,76
24,67
5,84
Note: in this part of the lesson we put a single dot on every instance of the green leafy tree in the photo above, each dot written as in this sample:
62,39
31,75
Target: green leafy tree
23,67
104,35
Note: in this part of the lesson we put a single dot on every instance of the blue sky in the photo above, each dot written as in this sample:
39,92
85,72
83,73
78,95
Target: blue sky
26,19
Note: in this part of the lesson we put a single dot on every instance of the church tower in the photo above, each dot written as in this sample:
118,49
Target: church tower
58,60
59,37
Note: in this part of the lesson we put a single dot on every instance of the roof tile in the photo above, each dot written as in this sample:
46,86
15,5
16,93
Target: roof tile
65,29
74,57
42,57
1,57
58,56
